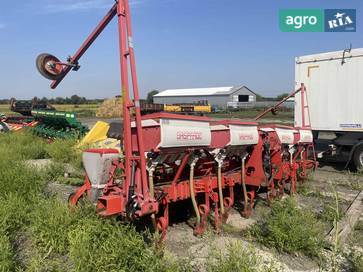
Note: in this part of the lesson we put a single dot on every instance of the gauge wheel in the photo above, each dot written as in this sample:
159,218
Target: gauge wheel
49,67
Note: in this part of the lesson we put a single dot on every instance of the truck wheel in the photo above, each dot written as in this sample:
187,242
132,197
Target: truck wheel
358,158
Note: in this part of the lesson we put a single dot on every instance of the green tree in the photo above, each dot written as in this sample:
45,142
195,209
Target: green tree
44,100
282,96
75,99
59,100
259,97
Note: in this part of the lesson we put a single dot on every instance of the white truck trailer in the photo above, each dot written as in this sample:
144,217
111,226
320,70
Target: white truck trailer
334,95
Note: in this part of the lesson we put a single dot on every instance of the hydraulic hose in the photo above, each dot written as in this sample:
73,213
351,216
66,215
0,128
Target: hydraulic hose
130,206
151,182
151,188
220,191
192,193
244,180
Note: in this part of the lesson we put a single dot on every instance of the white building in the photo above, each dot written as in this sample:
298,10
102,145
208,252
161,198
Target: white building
220,97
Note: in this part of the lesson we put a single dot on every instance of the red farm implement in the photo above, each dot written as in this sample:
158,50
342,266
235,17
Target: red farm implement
169,158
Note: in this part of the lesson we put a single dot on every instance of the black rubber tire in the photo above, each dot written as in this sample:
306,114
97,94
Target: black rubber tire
358,154
40,64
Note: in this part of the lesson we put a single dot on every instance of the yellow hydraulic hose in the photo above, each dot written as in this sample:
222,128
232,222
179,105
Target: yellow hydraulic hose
192,193
151,182
244,180
151,188
220,191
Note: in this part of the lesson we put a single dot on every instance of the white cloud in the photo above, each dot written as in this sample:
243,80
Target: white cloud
83,5
68,5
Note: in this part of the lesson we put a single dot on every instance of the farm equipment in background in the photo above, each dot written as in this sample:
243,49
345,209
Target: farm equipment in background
197,108
25,107
169,159
16,123
44,120
4,127
58,124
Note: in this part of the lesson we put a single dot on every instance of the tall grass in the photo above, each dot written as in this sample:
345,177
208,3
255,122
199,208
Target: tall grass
6,253
355,259
237,257
64,151
50,223
336,219
100,246
290,229
21,146
60,238
20,185
13,212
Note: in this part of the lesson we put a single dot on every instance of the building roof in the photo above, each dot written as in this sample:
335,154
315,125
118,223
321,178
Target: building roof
329,56
200,91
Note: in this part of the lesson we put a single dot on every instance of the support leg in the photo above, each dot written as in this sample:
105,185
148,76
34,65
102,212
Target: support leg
228,202
76,196
162,222
271,192
248,204
293,178
217,219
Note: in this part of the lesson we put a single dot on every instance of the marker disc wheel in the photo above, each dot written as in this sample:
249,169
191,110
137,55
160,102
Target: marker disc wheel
49,67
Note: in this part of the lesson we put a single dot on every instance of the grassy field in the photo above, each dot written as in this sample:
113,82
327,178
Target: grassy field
89,110
38,231
4,109
85,110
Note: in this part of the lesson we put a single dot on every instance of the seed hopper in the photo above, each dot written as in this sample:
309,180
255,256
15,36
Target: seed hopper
170,159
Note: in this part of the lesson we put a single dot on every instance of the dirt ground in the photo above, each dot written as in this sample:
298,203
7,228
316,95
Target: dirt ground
318,191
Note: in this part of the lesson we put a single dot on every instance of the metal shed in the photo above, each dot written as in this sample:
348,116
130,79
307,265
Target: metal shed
219,97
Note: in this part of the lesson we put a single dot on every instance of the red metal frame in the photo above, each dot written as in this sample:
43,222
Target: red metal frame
135,163
274,108
127,53
87,43
133,197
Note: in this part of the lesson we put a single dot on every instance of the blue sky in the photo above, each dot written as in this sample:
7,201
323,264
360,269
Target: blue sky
178,43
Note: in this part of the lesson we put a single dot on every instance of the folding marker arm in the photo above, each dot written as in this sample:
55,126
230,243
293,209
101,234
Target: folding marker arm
86,44
273,109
